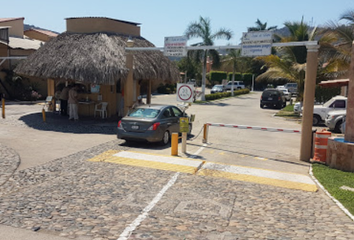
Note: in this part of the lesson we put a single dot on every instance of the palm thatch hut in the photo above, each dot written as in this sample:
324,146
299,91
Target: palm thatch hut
96,56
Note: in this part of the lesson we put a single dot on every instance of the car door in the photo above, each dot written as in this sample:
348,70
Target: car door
178,114
169,121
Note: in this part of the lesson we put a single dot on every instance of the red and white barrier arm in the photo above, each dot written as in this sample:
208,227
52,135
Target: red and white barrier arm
253,128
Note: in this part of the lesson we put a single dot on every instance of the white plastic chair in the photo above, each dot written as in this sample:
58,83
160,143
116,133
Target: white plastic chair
102,109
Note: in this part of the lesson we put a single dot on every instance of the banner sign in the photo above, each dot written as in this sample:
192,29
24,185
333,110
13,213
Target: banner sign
175,46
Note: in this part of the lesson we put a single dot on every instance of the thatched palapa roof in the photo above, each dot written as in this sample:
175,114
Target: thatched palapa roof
96,58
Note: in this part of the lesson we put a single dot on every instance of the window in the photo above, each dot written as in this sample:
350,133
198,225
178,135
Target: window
167,113
338,104
144,113
177,112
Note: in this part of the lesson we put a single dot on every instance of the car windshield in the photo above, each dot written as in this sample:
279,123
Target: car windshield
144,113
326,104
270,93
217,87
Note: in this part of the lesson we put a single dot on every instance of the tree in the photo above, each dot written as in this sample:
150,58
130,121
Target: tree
349,16
191,67
261,26
202,30
290,62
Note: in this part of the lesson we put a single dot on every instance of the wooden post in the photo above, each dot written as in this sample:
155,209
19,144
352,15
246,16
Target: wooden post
349,124
148,96
129,84
3,107
205,133
309,96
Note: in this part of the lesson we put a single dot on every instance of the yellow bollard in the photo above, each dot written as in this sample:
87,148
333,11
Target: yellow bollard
3,107
174,144
43,114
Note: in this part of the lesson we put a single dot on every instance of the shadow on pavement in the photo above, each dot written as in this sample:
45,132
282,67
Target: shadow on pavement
149,145
57,123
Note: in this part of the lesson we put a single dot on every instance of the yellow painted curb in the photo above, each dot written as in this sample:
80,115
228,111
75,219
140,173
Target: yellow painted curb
104,156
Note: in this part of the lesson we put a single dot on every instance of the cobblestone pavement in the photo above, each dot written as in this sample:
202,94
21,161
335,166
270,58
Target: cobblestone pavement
9,162
73,197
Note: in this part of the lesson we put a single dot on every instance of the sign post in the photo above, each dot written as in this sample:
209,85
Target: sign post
185,93
183,128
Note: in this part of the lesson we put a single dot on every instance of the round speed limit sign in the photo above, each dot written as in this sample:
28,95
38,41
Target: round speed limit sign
185,92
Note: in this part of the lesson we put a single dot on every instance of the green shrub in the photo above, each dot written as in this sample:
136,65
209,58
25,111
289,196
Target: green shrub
167,88
214,96
238,76
324,94
247,79
216,77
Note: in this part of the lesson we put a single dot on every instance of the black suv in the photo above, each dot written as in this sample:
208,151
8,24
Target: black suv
273,97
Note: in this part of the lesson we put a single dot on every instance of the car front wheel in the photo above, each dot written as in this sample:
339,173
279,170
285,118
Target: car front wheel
165,138
316,120
337,127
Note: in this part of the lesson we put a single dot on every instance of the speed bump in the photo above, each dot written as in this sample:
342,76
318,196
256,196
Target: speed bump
261,176
202,168
161,162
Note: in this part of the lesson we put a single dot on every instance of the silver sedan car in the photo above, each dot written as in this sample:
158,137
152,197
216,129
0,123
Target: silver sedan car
152,123
334,120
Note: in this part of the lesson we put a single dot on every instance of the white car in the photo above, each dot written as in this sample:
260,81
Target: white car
342,127
297,107
286,93
334,120
321,111
237,85
292,87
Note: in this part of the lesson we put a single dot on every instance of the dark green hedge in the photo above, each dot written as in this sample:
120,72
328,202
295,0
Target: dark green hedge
216,77
214,96
166,88
238,76
324,94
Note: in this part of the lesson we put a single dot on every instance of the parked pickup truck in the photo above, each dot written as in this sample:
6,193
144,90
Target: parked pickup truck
237,85
321,111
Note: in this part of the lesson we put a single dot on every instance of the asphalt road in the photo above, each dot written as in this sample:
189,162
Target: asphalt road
262,149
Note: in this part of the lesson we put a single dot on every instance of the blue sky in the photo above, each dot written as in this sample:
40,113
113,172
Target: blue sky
160,19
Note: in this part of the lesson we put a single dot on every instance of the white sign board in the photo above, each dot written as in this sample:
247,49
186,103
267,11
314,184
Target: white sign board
257,43
185,92
175,46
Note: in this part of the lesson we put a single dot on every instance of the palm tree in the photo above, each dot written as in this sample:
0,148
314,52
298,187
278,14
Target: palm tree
261,26
335,53
202,29
349,16
292,61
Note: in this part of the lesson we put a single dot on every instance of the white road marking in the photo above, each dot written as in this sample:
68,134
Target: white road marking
129,230
259,173
157,158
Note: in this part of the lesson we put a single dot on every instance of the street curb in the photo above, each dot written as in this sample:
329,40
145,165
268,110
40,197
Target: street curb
330,196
